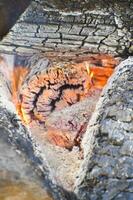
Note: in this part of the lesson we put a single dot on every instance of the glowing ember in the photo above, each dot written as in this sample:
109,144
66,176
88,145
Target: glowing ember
55,88
39,93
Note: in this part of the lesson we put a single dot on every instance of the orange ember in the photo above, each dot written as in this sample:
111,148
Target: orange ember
96,70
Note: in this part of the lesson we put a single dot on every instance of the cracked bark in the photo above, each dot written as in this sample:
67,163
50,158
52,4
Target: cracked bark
66,34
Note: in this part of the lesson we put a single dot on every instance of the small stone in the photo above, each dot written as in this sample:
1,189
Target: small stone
71,42
124,196
96,171
50,45
104,49
67,46
24,27
124,115
114,186
6,48
53,40
44,35
26,50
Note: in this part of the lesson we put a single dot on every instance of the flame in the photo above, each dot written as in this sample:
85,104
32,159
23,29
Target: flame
98,75
24,117
17,78
90,74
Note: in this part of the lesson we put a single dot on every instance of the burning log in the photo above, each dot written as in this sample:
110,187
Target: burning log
52,89
106,172
48,88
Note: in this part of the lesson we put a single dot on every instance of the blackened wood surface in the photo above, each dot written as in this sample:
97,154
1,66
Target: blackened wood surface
105,28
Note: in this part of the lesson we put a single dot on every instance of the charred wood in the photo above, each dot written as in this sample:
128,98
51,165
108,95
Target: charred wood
100,28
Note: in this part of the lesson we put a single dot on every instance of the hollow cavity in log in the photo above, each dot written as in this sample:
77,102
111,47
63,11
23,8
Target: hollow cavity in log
44,88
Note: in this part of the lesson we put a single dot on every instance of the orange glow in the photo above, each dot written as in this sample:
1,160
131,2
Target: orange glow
101,76
23,116
98,75
17,79
93,73
90,74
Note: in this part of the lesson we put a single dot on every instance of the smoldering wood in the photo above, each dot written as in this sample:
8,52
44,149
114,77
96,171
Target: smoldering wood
47,89
51,87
